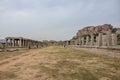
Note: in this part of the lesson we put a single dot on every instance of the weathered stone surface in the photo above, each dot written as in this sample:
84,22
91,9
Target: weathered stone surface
102,35
92,40
104,40
114,39
100,39
87,40
95,29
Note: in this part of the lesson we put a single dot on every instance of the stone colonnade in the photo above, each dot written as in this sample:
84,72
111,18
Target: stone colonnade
14,42
107,39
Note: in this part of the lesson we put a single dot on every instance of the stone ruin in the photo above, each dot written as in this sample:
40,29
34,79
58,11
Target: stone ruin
99,36
22,43
90,36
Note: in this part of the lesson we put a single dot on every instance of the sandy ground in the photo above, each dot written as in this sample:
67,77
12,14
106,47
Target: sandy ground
58,63
16,59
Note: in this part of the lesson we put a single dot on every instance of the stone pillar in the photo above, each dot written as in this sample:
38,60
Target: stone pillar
114,39
79,40
16,42
82,41
109,39
10,42
6,42
20,42
104,40
87,40
100,39
27,43
92,40
96,41
13,42
70,42
23,43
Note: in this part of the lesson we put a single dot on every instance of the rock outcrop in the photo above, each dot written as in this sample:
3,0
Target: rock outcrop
97,29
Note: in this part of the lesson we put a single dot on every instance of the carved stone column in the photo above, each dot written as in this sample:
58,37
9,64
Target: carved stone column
87,40
100,39
114,39
92,40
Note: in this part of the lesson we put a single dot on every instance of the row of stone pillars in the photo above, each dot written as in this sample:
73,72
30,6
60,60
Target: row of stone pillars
87,40
100,40
108,39
21,42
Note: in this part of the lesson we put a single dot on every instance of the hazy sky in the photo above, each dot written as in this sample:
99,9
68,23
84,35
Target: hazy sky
54,19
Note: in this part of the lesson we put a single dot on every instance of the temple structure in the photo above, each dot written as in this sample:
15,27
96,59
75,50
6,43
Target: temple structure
14,42
95,37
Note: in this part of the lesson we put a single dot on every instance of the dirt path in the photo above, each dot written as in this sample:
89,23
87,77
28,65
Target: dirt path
6,63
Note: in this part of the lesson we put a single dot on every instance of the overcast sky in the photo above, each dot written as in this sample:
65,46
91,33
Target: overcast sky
55,19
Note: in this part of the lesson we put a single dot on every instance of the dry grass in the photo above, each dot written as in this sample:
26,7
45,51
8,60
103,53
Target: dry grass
58,63
7,75
5,55
4,62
